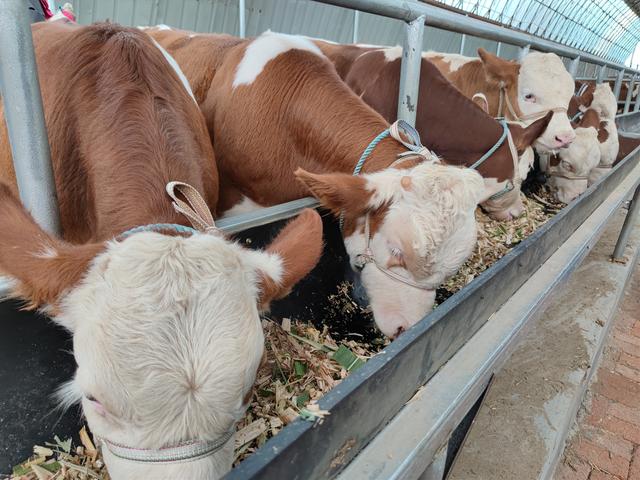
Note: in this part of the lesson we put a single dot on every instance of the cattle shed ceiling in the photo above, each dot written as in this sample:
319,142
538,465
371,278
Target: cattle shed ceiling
609,29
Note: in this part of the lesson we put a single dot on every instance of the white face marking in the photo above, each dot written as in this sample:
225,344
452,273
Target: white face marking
454,60
609,148
544,83
604,102
578,159
176,68
431,227
168,339
246,205
264,49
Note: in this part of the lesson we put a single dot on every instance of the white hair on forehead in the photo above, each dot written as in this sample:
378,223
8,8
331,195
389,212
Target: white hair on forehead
546,70
440,198
604,102
161,318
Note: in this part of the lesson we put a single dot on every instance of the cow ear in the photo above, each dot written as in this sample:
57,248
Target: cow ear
42,268
339,192
524,137
289,257
497,69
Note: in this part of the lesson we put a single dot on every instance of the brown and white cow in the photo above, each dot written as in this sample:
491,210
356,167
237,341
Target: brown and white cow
448,122
275,104
538,84
165,324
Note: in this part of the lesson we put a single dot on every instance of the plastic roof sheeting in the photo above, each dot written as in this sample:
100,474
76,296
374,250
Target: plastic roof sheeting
609,29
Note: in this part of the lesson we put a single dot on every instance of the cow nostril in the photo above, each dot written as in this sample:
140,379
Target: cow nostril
399,332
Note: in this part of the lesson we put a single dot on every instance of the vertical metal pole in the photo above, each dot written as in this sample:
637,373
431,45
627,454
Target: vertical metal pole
463,40
52,6
627,102
600,74
356,25
241,19
523,52
627,226
618,85
499,49
573,66
636,106
25,117
410,70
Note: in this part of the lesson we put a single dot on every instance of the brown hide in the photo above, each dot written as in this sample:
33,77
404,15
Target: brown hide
120,125
627,145
592,119
297,113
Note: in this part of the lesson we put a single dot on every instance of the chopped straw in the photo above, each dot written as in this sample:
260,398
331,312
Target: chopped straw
301,362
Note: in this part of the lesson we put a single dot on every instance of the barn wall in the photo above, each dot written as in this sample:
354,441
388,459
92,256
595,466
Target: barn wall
288,16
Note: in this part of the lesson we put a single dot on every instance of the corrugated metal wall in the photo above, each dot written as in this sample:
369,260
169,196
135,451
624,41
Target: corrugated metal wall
289,16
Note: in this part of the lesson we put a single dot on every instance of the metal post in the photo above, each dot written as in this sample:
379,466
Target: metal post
52,6
356,25
410,70
24,116
636,107
523,52
573,66
627,102
463,40
627,226
618,85
241,18
600,74
499,49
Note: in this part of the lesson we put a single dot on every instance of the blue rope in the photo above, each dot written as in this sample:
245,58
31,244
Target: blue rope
159,226
492,150
367,151
577,115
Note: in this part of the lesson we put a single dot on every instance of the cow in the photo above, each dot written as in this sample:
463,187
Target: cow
442,114
165,319
275,105
521,91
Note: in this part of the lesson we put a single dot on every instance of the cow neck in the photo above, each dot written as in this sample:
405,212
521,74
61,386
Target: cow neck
457,129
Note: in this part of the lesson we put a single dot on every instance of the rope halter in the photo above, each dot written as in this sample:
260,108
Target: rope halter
181,453
194,208
504,100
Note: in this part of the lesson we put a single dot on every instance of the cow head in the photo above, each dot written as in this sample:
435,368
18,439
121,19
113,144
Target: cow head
604,102
166,331
421,227
545,84
569,168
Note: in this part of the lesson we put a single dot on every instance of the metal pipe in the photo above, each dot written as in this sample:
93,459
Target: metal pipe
498,49
25,116
524,50
573,66
356,26
463,40
409,10
52,6
410,70
627,102
264,216
627,226
241,18
618,85
600,74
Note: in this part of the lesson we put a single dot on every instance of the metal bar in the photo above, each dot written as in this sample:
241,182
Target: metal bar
356,26
618,85
410,70
409,10
264,216
573,66
25,116
523,51
52,6
627,226
435,471
463,40
600,74
242,23
627,102
498,49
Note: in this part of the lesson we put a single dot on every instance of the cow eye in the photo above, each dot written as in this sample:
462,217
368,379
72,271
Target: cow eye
530,97
90,397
